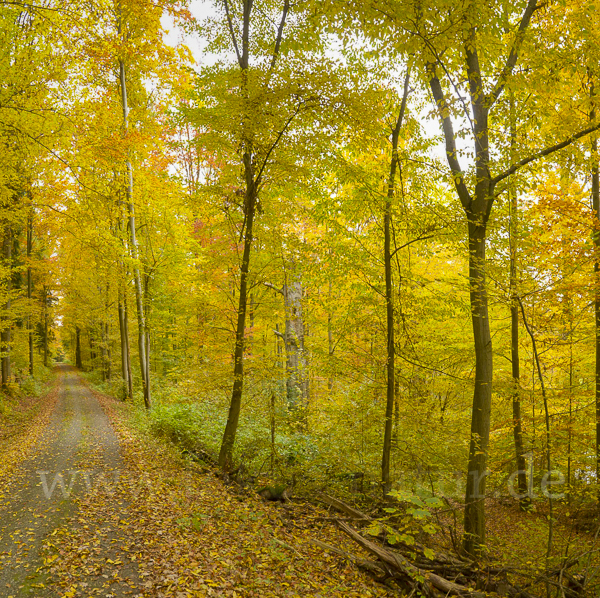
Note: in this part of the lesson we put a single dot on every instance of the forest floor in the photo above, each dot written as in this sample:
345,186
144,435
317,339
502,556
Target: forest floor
90,507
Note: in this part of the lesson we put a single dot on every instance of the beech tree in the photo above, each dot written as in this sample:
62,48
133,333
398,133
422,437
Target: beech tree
266,72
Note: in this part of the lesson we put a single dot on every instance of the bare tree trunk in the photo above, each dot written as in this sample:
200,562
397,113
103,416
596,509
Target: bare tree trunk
596,208
142,345
5,335
124,348
92,343
45,326
253,178
548,446
297,381
297,388
103,350
330,344
272,422
127,348
524,499
226,452
482,394
386,481
30,287
108,352
396,411
78,361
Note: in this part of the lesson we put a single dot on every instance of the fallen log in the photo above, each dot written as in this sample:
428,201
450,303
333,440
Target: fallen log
399,563
371,566
343,507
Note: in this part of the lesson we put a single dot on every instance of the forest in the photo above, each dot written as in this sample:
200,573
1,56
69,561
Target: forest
332,254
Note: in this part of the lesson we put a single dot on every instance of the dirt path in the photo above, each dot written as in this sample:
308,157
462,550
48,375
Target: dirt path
102,509
78,451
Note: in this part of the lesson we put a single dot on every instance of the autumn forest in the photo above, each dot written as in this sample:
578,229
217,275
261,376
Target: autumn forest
330,270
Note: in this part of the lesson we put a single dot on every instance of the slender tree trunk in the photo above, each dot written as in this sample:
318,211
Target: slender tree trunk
46,326
297,383
226,452
104,351
5,335
252,184
524,499
330,339
396,411
596,208
272,418
78,361
570,433
30,288
127,348
227,444
142,345
92,344
548,446
386,481
108,351
124,348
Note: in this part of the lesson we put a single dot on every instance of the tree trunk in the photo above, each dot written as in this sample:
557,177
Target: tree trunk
128,349
296,367
524,499
226,452
92,342
78,362
46,326
482,396
596,208
124,349
330,339
5,335
252,185
30,288
386,481
389,306
142,346
108,352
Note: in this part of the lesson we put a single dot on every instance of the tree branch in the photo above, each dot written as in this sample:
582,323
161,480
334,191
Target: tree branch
513,56
246,34
448,128
271,286
419,238
232,32
543,153
286,8
275,143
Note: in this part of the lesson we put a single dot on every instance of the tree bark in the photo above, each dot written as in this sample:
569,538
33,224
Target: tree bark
482,396
389,301
226,452
330,347
142,345
78,362
5,335
46,326
296,367
30,287
124,348
253,177
524,499
596,208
